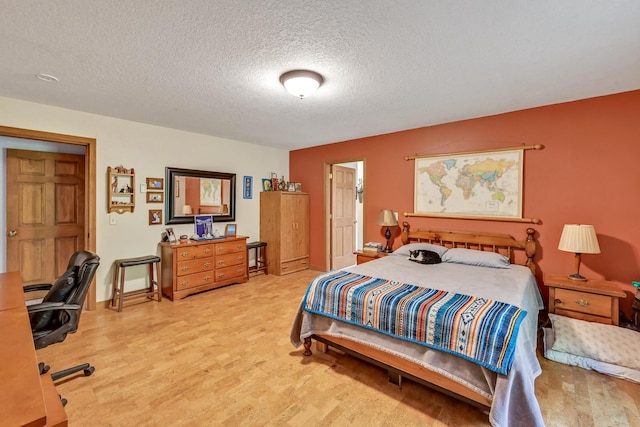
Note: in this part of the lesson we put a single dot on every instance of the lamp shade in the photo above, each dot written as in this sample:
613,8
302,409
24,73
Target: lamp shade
301,83
579,238
187,210
387,218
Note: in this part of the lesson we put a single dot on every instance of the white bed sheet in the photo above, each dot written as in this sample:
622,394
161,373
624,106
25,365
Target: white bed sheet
513,398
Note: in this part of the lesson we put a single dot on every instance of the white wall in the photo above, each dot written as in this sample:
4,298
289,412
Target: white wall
148,149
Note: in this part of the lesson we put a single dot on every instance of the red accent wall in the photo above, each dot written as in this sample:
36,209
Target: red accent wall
588,173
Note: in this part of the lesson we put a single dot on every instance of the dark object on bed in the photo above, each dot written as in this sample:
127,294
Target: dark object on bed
424,256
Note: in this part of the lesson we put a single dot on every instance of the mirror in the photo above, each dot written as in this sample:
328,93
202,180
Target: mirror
192,192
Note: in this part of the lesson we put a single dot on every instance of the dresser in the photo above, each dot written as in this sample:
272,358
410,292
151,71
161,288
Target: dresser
591,300
196,266
284,226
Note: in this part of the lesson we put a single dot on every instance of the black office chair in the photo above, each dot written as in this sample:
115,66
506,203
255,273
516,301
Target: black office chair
59,311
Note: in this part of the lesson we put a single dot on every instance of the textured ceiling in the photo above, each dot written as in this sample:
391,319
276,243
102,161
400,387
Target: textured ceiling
212,66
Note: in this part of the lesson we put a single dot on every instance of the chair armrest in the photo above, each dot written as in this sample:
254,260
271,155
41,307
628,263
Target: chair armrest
52,306
37,287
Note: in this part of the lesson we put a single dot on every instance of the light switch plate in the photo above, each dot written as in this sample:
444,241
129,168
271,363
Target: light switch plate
143,188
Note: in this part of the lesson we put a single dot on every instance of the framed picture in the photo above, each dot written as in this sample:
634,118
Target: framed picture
275,184
298,186
230,230
171,237
204,225
274,175
291,186
155,184
266,184
155,216
247,192
155,197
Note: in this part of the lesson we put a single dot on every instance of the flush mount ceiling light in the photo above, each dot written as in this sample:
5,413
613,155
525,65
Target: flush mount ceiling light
301,83
47,78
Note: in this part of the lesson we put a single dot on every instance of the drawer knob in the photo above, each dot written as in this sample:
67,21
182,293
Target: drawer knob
221,262
557,301
582,303
185,268
206,278
184,282
207,264
183,254
207,250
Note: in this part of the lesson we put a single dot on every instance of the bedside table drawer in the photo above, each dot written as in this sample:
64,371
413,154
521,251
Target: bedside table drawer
583,302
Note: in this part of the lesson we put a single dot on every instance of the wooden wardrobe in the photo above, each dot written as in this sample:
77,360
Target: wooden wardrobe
284,226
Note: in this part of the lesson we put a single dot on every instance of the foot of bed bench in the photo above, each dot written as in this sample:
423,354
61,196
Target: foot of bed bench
307,347
395,378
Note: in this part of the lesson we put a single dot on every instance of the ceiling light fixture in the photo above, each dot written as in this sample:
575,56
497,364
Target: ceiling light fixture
301,83
47,78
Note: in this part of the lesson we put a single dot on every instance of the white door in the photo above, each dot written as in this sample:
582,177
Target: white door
343,217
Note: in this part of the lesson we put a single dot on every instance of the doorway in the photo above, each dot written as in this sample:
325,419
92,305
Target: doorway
26,137
344,190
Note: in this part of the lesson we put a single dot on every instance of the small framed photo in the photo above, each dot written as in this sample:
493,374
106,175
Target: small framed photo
155,197
171,237
275,184
155,184
274,175
230,230
298,186
266,184
291,186
155,216
247,192
203,226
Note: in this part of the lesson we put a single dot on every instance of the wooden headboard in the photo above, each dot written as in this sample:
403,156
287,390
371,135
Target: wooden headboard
500,243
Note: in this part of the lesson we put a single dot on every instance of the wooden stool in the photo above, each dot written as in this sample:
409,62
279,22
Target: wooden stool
118,285
260,256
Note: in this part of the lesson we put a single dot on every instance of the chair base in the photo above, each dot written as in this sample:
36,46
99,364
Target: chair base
85,367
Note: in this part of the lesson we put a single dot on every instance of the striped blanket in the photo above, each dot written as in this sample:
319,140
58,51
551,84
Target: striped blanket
477,329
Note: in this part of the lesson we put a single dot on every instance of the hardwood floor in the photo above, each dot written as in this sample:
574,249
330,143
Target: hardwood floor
223,358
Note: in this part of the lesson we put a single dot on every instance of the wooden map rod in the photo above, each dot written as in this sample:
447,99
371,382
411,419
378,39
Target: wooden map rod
482,218
522,147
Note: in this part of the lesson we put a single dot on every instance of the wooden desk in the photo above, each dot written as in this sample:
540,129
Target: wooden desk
29,399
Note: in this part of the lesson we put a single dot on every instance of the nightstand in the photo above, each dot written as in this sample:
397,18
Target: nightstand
593,300
362,257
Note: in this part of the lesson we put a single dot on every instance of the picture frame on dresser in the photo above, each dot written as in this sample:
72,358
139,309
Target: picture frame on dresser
230,230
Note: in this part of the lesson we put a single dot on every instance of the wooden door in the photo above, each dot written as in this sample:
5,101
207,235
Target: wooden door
343,216
45,212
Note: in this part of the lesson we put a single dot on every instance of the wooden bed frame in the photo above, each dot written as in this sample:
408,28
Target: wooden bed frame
398,367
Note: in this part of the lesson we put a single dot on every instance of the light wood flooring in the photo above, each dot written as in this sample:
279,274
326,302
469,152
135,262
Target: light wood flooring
223,358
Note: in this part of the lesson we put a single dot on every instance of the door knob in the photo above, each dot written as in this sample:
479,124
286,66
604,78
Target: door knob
12,233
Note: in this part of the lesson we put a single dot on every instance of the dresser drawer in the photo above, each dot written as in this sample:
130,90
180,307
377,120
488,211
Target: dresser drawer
194,266
583,302
230,272
230,259
231,247
294,265
193,280
192,252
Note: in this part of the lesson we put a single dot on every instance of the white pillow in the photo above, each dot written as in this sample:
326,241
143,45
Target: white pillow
606,343
404,250
473,257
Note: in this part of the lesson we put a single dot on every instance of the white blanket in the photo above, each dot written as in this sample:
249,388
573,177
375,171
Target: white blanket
513,398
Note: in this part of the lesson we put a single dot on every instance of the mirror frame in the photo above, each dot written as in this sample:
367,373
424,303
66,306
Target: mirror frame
171,173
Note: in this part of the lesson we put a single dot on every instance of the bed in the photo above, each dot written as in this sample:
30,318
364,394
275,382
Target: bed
506,393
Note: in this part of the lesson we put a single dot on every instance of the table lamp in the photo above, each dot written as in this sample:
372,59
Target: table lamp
580,239
187,210
387,219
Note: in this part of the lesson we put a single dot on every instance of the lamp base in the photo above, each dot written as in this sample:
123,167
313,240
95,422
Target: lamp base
577,277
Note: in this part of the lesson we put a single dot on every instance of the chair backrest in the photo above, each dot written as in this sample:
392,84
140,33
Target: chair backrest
70,288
